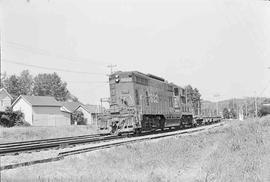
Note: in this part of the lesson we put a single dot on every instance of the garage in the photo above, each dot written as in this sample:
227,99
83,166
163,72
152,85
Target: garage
41,111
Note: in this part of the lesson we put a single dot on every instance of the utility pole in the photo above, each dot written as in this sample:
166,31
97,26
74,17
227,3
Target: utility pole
0,64
111,66
0,87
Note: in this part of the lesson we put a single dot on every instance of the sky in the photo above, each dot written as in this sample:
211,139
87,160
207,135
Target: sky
221,47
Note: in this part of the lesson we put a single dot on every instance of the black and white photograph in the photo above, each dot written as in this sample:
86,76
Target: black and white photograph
134,91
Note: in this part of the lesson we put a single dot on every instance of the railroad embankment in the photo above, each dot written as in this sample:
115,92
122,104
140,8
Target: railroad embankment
15,134
239,151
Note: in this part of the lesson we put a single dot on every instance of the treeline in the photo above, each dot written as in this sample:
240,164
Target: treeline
233,108
44,84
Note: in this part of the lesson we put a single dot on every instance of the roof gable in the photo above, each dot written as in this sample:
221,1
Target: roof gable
70,106
91,108
4,93
39,100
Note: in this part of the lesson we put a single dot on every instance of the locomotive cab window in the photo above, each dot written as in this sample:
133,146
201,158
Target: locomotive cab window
176,91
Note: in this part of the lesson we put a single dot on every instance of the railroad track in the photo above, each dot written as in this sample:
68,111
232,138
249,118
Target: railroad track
140,138
45,144
37,145
113,143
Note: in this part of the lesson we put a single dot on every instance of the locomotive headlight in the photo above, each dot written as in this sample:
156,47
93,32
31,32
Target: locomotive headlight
117,79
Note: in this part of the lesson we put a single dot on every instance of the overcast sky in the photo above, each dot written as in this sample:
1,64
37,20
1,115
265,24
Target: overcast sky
219,46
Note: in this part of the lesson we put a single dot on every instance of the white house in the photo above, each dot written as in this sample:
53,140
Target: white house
5,99
90,113
41,111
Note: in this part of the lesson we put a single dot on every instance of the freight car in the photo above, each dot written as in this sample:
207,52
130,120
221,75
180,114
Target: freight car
145,102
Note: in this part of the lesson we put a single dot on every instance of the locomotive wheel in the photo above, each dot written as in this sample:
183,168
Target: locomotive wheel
115,132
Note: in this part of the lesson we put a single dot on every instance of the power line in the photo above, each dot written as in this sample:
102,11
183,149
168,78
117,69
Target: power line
48,53
77,82
83,82
50,68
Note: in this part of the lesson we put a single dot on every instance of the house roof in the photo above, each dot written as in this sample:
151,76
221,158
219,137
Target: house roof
3,90
70,106
38,100
92,108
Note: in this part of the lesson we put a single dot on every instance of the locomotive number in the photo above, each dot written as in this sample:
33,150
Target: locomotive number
153,98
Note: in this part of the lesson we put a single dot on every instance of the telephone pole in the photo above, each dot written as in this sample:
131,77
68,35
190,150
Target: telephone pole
111,66
0,87
0,64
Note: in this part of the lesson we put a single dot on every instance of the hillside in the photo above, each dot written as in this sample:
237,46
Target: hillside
246,106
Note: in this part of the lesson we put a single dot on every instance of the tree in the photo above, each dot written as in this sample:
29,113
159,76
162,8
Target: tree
3,77
26,83
226,113
12,85
196,100
233,114
72,98
19,85
50,84
193,97
78,117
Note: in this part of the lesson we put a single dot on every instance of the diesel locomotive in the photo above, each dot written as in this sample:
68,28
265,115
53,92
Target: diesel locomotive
145,102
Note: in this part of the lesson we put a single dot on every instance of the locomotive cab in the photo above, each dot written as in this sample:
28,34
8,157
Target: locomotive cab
141,102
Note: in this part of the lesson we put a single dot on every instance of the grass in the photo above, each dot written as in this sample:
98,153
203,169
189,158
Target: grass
32,133
243,155
240,152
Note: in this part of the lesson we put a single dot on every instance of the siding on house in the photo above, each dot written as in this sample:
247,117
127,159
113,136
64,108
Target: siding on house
4,103
5,99
50,116
26,109
41,111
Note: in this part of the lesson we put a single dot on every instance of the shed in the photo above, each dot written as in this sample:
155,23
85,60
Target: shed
5,99
90,112
41,111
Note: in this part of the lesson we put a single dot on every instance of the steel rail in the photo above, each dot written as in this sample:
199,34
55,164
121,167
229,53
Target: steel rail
136,139
62,155
7,144
54,144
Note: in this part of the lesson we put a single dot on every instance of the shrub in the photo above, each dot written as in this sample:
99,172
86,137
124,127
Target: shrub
11,118
78,117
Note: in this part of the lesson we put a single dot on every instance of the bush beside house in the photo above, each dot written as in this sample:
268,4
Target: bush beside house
11,118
